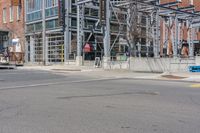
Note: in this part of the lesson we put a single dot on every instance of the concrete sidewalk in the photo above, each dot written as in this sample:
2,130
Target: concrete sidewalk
99,72
184,76
56,68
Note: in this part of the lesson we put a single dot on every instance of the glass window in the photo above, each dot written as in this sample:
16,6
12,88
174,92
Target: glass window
51,12
34,5
30,28
11,13
38,26
18,12
74,22
34,10
51,3
4,15
51,24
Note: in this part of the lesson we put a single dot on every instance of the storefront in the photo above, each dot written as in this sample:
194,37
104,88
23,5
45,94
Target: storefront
4,41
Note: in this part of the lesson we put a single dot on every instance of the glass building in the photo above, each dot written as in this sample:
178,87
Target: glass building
46,41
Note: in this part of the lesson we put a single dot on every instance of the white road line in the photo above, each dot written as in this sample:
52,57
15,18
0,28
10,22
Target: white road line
4,74
56,83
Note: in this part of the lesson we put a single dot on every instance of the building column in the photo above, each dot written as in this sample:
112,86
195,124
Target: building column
67,36
106,39
175,46
26,51
190,38
32,50
44,59
157,36
80,32
147,36
46,50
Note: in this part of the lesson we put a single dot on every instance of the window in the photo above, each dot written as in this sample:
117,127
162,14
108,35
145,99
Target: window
191,2
51,12
4,15
30,28
18,12
38,26
51,3
34,5
51,24
11,13
33,10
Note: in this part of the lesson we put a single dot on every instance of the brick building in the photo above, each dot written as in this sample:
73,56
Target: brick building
184,30
11,23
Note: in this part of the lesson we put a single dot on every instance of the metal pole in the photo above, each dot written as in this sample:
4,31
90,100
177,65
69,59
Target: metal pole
147,36
107,31
189,38
157,45
176,38
191,45
128,28
153,35
66,32
26,43
80,20
44,34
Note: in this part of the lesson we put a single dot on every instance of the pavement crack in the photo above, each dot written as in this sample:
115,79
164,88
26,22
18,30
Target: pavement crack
108,95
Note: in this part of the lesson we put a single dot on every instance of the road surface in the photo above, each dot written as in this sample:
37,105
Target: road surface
47,102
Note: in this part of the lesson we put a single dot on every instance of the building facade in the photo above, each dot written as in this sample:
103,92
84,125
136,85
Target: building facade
49,42
183,35
12,24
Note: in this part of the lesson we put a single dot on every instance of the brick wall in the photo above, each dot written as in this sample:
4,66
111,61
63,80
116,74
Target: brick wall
186,3
15,27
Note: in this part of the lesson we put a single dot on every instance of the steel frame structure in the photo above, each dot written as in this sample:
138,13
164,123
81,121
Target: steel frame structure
125,14
170,14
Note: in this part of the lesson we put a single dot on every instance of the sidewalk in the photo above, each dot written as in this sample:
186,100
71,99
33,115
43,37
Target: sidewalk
55,68
184,76
99,72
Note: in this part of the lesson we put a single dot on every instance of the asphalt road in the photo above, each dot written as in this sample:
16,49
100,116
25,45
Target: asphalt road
45,102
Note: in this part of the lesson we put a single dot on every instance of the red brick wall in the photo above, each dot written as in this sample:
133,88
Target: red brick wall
16,27
185,3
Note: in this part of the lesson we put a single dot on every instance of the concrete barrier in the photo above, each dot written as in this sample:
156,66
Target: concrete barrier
160,64
152,64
